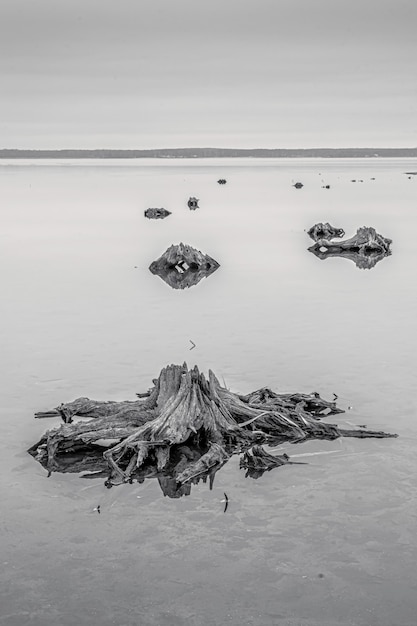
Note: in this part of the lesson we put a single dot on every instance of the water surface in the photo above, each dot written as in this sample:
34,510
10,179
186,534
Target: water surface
331,542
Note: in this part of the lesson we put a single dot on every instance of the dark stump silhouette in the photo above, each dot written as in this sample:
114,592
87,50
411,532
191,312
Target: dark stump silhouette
182,266
182,430
365,249
222,181
193,203
157,214
325,231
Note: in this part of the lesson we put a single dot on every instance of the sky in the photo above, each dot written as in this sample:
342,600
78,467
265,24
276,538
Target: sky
208,73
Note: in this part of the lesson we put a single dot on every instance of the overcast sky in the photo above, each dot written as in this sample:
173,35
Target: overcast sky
227,73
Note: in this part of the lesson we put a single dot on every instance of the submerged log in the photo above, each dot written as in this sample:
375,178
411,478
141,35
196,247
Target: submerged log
193,203
157,214
182,266
325,231
182,430
365,249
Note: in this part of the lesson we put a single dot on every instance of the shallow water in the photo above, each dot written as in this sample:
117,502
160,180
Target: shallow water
330,542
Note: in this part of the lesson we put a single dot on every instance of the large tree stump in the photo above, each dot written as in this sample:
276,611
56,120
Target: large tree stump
365,249
182,266
182,430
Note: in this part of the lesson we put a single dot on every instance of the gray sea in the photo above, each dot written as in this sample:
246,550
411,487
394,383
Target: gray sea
328,543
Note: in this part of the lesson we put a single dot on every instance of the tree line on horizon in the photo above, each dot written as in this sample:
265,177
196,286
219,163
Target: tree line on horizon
11,153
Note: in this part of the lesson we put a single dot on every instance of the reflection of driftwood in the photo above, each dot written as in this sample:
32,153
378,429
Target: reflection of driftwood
193,203
182,430
157,214
363,262
325,231
182,266
257,460
222,181
365,248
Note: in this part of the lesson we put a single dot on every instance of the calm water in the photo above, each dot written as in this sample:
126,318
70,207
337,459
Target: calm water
329,543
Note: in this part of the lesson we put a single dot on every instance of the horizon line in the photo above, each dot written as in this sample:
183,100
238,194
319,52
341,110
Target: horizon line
107,149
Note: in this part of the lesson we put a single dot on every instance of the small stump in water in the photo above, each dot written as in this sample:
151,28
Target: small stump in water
222,181
365,249
182,430
298,185
193,203
325,231
182,266
157,214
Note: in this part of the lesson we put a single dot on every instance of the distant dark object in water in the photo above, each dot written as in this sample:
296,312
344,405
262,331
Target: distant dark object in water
182,266
325,231
157,214
353,180
365,249
373,178
183,430
411,173
222,181
298,185
193,203
325,186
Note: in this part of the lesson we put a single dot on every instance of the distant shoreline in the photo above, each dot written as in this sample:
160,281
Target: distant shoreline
207,153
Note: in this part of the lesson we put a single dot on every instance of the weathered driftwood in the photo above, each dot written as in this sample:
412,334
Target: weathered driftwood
193,203
182,266
157,214
182,430
325,231
365,248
